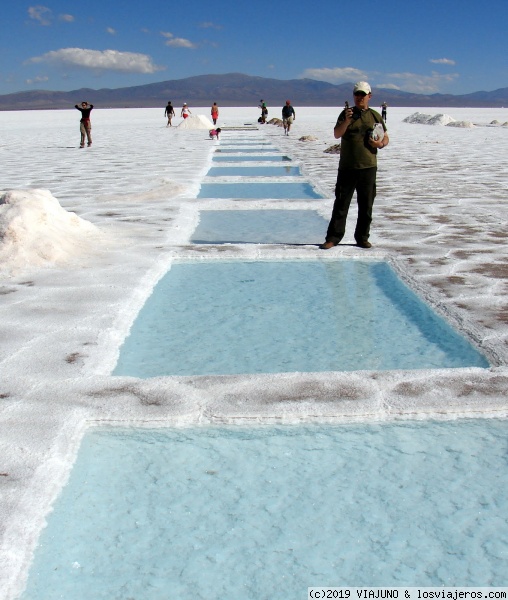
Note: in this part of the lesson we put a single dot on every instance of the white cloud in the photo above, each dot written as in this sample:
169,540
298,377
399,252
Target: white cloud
177,42
38,79
422,84
101,60
442,61
209,25
111,30
335,75
42,14
66,18
388,86
180,43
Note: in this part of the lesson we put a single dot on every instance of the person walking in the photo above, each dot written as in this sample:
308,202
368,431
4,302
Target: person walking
360,143
215,113
264,112
383,111
85,125
185,111
288,116
169,113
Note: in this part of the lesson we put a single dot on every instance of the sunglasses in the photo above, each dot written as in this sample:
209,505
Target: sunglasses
360,94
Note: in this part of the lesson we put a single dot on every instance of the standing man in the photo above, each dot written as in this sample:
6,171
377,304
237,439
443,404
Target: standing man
214,111
357,166
288,116
383,111
264,112
85,126
169,113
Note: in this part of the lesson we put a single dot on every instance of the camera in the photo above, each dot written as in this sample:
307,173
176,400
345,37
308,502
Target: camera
356,112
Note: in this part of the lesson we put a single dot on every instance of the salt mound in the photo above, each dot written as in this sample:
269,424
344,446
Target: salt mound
307,138
465,124
423,119
335,149
35,230
196,122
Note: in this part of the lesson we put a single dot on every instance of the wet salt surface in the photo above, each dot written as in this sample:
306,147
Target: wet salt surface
259,171
440,218
259,227
259,191
278,317
243,513
236,159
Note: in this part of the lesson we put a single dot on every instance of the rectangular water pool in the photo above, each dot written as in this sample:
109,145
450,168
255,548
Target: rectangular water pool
266,512
271,149
289,316
261,171
251,191
259,227
250,158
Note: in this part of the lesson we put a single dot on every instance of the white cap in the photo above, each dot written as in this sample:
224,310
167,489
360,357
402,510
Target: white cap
362,86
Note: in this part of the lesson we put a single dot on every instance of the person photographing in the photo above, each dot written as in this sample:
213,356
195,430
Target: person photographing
362,132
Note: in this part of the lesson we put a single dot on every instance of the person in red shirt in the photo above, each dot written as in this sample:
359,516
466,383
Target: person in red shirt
85,126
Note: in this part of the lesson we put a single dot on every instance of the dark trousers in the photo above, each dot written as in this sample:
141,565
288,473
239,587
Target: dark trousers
363,181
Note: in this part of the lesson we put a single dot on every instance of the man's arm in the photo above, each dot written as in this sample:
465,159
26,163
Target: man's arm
343,122
380,143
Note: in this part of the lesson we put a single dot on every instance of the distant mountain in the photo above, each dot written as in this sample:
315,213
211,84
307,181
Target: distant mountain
236,89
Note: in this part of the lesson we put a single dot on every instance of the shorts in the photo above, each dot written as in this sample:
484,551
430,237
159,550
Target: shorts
185,115
288,121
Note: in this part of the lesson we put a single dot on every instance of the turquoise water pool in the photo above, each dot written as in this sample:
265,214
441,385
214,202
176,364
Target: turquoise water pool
259,227
265,512
251,191
260,171
235,158
220,318
246,150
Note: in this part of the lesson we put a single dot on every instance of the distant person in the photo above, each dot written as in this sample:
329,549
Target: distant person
169,113
85,125
264,112
357,166
185,111
288,116
215,133
215,113
383,111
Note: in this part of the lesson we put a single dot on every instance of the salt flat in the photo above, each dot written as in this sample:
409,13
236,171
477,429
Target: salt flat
440,218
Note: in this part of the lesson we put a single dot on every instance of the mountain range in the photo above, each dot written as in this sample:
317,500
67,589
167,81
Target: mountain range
237,89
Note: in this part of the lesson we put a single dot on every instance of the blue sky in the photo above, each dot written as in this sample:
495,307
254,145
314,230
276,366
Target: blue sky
451,46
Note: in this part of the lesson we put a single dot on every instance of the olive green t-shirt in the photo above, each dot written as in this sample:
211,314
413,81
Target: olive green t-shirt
355,150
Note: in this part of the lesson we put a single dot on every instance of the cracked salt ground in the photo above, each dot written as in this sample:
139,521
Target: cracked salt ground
440,219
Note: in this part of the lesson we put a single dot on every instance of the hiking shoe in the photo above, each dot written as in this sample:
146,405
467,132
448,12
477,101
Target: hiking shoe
328,245
364,244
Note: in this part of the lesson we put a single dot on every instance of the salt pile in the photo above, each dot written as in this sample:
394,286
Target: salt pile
196,122
36,230
423,119
463,124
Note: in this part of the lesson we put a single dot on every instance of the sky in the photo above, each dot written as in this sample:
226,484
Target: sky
451,46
